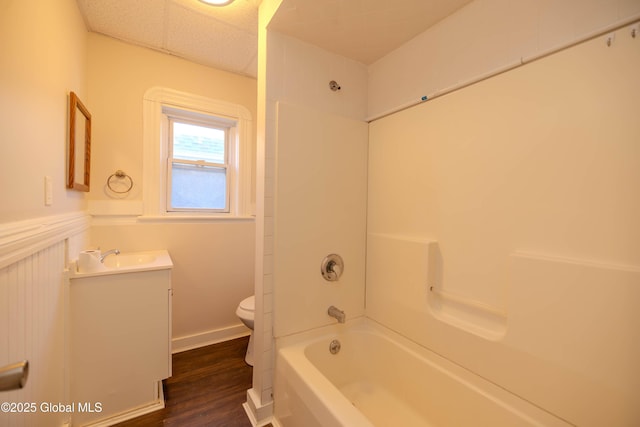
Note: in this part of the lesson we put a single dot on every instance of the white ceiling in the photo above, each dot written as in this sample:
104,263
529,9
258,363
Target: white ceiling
220,37
364,30
226,37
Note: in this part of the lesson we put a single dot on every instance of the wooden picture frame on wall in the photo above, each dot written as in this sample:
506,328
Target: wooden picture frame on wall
79,156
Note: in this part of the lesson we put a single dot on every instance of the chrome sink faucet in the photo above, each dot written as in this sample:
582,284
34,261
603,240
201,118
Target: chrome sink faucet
337,313
107,253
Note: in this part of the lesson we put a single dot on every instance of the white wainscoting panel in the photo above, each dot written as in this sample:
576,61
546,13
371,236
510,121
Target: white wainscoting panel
33,312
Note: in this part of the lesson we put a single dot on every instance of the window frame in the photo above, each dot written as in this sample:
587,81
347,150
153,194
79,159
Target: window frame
172,116
159,105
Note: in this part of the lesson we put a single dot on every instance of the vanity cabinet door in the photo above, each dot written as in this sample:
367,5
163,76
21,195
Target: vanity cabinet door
120,340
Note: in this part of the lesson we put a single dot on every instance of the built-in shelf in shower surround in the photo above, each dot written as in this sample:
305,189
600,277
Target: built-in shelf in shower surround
466,313
418,264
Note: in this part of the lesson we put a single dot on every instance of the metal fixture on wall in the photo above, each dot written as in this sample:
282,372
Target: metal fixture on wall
332,267
14,377
119,176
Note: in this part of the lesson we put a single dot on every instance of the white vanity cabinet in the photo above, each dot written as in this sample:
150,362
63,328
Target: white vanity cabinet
120,340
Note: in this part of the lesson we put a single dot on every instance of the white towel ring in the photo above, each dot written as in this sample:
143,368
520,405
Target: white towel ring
119,174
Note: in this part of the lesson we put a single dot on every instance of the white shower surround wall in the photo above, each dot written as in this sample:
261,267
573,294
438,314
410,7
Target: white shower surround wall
315,152
514,252
482,38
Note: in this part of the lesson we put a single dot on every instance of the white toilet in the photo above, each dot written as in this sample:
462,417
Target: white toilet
245,312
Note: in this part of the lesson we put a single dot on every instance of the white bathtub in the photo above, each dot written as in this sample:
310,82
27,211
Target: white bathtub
379,378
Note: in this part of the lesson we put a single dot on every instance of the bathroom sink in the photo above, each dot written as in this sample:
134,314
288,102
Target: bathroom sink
129,260
122,263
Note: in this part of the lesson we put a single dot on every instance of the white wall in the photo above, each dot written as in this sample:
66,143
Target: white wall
130,71
516,200
484,36
214,260
42,59
299,74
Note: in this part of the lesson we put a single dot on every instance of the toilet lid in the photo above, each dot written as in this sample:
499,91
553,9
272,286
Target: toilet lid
248,304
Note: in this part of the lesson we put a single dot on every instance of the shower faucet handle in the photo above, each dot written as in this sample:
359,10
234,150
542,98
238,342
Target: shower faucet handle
332,267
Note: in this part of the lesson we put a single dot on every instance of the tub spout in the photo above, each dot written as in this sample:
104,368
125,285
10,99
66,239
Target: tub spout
337,313
107,253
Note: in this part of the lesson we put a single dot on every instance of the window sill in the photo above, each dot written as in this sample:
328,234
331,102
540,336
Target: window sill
194,218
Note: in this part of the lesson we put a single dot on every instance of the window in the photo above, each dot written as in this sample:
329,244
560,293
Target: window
197,156
198,163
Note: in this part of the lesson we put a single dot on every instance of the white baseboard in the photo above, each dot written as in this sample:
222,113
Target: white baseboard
130,414
189,342
259,415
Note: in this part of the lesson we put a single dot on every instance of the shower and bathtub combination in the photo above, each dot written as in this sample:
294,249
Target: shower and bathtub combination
490,276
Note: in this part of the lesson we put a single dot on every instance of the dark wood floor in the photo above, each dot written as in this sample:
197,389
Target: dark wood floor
208,387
